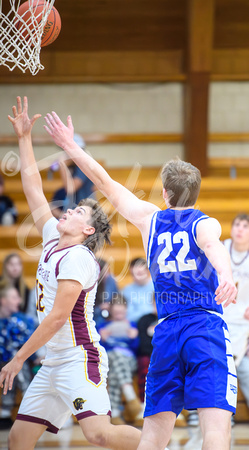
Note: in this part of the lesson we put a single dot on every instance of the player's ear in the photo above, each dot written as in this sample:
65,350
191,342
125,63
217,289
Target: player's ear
166,198
165,194
89,230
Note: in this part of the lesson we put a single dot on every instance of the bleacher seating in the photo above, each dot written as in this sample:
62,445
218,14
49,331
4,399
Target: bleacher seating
220,197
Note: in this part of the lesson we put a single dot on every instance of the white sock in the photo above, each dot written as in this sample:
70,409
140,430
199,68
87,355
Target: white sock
129,392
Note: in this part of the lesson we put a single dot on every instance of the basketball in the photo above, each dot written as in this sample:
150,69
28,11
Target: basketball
33,18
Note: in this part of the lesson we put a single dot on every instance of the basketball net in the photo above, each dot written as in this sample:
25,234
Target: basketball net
15,50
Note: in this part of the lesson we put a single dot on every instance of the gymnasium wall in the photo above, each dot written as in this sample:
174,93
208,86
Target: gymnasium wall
131,108
229,113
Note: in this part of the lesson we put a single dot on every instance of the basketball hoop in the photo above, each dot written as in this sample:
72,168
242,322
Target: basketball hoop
20,46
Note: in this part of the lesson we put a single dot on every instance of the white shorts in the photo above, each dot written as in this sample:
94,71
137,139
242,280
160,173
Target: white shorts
74,387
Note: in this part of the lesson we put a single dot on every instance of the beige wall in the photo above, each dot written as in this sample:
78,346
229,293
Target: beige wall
109,108
229,113
131,108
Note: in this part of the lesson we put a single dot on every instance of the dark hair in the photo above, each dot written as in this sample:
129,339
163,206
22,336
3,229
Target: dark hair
118,300
18,283
100,222
182,181
5,289
138,262
241,216
101,281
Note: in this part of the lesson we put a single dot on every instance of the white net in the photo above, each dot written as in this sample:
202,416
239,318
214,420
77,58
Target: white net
20,35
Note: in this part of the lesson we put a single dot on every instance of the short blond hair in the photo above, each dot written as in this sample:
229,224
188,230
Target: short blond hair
182,181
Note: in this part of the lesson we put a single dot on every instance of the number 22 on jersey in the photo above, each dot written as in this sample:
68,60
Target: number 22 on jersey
180,263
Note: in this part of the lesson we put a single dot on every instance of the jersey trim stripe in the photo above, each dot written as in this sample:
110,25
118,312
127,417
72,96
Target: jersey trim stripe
72,332
85,414
152,231
58,264
51,428
92,353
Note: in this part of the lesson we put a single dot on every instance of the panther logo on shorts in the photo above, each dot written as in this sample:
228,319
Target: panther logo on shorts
78,403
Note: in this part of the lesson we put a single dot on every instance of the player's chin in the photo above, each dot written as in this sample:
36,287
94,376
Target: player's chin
62,225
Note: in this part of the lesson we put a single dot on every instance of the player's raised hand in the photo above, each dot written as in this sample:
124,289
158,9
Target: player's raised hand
21,122
8,373
62,135
226,292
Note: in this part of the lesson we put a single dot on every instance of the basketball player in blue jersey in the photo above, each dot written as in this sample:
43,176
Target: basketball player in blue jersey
73,376
192,365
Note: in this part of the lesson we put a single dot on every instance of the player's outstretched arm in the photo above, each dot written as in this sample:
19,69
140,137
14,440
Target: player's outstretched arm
208,239
67,294
31,179
133,209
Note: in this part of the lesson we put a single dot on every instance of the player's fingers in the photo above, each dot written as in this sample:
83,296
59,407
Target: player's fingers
11,119
229,294
19,105
48,130
34,118
25,103
6,385
56,118
14,111
70,123
48,120
221,295
228,302
1,379
11,379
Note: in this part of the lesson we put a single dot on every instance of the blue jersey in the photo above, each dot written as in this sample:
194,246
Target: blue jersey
183,277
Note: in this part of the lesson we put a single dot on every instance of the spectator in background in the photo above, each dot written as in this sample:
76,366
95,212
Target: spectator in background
15,330
8,212
12,275
237,315
139,294
107,292
76,186
120,339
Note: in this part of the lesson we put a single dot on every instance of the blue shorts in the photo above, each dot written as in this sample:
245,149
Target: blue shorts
191,366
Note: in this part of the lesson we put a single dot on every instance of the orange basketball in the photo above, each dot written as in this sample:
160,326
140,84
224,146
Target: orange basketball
52,26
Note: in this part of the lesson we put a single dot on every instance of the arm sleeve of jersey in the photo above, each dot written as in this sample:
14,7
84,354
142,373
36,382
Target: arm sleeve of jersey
50,231
79,265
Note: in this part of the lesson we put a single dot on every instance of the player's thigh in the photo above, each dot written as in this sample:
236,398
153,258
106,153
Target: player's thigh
83,388
214,419
165,378
24,435
41,403
211,380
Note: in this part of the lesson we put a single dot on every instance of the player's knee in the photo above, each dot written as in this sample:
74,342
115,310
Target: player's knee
217,438
96,437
